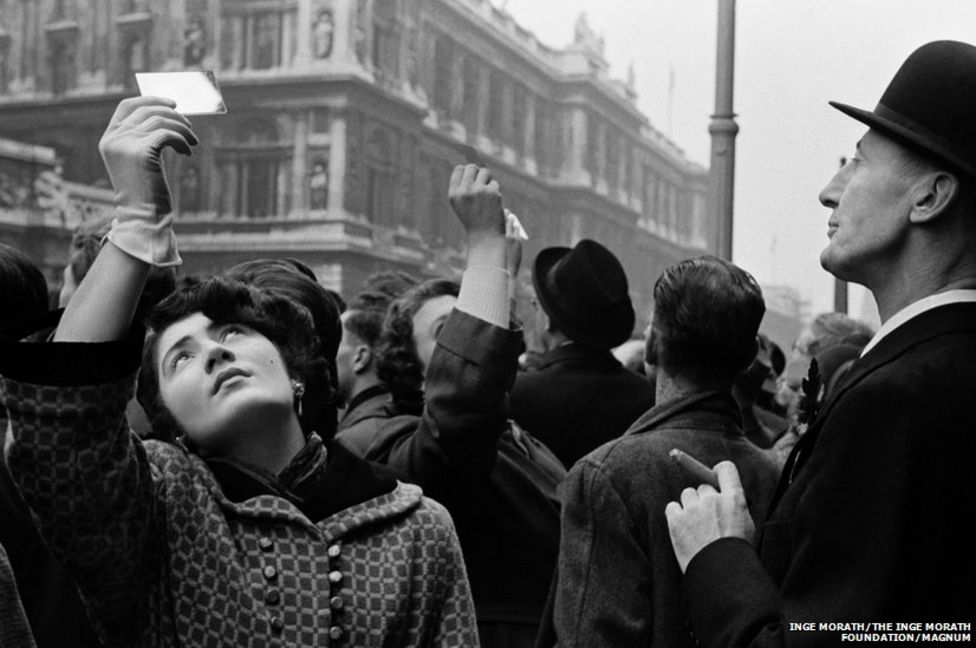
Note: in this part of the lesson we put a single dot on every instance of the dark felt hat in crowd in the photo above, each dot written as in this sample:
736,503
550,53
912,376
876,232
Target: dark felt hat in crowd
584,292
930,105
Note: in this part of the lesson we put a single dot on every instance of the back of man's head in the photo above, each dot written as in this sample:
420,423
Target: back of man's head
23,290
706,316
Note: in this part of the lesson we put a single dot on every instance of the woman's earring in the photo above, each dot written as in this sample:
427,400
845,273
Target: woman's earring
299,389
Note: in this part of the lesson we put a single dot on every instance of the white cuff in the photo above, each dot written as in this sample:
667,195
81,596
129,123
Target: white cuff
484,294
138,233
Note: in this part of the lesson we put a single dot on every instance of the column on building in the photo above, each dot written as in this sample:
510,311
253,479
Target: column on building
227,191
577,120
345,16
303,39
481,104
529,142
337,165
299,172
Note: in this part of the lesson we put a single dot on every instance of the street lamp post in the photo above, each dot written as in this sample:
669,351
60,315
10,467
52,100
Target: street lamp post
723,130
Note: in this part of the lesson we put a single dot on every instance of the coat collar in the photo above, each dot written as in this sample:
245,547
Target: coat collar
950,318
368,403
317,484
576,352
712,404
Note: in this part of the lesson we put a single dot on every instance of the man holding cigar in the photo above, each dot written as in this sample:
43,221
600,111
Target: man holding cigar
873,518
618,583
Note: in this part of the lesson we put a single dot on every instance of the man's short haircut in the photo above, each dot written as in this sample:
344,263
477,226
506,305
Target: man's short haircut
398,364
23,289
830,329
285,323
367,309
706,316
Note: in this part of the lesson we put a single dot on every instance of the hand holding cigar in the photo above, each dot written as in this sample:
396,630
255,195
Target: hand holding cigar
696,468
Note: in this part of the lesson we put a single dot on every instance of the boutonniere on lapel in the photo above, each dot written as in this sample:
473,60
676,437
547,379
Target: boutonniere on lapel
812,389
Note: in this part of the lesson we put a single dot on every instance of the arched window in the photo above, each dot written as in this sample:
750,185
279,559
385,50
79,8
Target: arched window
251,168
380,179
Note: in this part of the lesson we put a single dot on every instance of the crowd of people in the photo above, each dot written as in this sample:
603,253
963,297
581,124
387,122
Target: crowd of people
251,459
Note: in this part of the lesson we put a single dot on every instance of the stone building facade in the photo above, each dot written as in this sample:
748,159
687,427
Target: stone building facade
345,118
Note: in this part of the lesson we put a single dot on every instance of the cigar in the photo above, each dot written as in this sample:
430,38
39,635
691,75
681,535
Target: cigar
695,468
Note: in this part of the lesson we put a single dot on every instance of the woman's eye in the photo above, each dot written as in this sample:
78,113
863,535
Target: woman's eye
230,331
179,359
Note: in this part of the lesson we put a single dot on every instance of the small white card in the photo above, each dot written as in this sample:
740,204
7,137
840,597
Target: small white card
513,226
195,93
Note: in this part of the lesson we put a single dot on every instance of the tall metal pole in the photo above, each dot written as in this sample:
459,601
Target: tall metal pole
723,130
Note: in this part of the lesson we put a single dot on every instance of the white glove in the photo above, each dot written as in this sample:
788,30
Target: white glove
131,149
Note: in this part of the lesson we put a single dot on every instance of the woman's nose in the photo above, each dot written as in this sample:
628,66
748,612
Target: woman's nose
217,355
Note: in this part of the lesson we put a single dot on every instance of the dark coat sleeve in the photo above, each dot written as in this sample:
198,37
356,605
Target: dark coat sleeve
466,409
83,474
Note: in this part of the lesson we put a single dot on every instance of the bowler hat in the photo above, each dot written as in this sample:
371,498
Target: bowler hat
583,290
930,104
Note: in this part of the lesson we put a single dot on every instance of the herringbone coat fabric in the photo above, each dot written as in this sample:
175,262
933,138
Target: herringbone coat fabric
15,632
164,558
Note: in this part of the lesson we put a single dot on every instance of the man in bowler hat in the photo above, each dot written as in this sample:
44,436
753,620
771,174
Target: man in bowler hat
873,517
581,396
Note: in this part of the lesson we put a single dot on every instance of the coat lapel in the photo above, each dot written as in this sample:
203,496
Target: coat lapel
918,330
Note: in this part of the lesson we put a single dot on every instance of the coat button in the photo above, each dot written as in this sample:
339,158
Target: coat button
270,572
277,624
265,544
335,632
334,551
335,602
271,597
335,576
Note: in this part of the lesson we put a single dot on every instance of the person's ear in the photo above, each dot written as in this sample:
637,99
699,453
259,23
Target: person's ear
362,359
932,196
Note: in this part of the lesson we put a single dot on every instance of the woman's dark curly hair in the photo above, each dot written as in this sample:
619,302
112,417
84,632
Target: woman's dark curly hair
293,279
398,364
287,325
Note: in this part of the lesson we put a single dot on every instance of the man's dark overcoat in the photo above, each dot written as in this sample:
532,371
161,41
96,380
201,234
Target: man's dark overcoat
874,515
578,399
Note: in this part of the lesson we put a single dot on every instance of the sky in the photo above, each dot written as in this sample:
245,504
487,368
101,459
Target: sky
791,58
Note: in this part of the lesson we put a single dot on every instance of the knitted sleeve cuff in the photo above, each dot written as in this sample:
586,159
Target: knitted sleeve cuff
484,294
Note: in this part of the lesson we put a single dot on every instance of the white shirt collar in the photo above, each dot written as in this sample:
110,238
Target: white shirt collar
917,308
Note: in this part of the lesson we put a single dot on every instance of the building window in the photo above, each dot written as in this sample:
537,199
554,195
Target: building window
258,39
251,168
190,193
543,142
380,180
520,109
135,58
443,59
4,64
318,183
62,10
469,97
496,105
62,60
385,42
320,120
613,160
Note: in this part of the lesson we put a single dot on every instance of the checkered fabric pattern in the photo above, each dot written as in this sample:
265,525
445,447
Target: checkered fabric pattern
163,558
